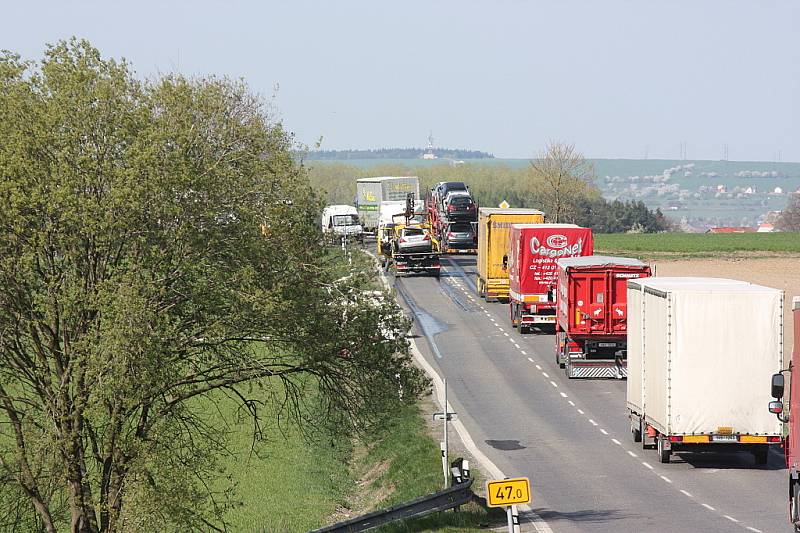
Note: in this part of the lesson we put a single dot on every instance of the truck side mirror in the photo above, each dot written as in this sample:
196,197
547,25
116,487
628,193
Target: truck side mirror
777,386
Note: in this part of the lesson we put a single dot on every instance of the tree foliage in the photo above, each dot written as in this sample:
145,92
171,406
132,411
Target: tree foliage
158,247
560,178
790,216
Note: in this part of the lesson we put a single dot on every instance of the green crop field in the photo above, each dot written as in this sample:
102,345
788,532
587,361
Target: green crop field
693,243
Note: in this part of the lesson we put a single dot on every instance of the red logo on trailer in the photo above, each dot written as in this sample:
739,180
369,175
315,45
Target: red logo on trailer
557,241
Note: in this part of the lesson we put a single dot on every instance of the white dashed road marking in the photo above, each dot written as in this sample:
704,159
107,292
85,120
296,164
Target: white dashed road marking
581,412
529,359
647,465
525,353
603,431
615,441
592,422
545,374
563,395
685,493
708,507
665,478
732,519
572,403
553,383
632,454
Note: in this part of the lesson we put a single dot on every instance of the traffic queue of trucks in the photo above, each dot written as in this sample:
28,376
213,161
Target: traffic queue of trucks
691,374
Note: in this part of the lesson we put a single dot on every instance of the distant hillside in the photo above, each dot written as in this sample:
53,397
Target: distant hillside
395,153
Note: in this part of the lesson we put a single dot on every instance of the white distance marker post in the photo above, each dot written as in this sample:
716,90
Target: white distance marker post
445,417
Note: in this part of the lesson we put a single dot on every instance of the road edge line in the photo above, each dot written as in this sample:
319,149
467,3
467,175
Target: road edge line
538,522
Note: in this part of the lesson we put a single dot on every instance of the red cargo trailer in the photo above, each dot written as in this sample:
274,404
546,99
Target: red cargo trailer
792,443
591,328
532,272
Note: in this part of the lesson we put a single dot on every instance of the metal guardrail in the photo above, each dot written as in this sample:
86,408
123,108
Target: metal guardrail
458,494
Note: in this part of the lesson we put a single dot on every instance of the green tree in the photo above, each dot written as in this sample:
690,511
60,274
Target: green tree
158,247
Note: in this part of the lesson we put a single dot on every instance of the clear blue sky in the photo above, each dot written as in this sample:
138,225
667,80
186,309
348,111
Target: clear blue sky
617,78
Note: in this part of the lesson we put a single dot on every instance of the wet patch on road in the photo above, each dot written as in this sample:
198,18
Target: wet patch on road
505,445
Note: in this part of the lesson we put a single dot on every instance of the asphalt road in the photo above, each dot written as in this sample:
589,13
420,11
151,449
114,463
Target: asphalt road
572,437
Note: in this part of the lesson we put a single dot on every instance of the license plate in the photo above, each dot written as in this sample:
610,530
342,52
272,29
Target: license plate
724,438
607,344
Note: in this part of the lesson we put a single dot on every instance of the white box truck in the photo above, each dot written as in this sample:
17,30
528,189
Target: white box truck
371,192
697,350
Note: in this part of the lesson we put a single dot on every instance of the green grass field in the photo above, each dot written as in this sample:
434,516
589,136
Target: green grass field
292,485
697,244
289,484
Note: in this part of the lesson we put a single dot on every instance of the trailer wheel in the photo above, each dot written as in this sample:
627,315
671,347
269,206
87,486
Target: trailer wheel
567,369
514,322
481,289
663,455
794,503
761,456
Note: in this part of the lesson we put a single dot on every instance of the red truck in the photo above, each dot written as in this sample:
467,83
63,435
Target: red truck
792,442
532,271
591,326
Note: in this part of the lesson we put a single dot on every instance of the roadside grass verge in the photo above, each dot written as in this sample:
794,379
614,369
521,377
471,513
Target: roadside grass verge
287,484
699,245
410,464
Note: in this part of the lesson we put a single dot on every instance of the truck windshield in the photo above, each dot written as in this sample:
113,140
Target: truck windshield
345,220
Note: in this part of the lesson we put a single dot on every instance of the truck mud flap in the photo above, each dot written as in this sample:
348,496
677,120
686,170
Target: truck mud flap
595,371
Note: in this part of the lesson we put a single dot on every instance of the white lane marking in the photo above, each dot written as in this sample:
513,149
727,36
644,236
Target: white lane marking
501,329
754,529
708,507
665,478
685,493
524,352
581,412
563,395
512,342
615,441
732,519
647,465
632,454
504,333
529,359
537,366
539,524
553,383
571,403
603,431
592,422
545,374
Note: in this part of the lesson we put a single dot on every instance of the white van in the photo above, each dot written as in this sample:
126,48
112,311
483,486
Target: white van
341,221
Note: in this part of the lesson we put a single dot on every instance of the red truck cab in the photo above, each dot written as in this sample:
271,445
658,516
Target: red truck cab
792,442
592,314
532,272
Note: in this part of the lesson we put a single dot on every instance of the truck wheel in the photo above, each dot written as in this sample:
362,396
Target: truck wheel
794,503
514,322
663,455
567,369
481,289
761,456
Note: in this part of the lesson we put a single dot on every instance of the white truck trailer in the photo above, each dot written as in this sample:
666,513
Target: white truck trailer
697,350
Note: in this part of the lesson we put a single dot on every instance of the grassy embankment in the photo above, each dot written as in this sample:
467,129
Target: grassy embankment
294,485
665,245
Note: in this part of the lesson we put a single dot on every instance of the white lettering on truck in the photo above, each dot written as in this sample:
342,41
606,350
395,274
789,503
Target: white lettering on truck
558,247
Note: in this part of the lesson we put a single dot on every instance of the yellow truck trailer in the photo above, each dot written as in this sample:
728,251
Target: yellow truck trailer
494,226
